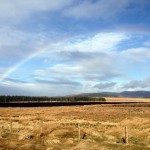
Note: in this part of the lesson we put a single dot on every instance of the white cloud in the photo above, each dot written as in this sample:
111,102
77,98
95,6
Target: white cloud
17,10
16,44
85,59
105,85
102,42
59,71
137,54
11,36
13,87
132,28
137,85
99,9
85,69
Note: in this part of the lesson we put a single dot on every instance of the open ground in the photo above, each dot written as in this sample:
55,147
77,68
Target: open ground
122,99
101,127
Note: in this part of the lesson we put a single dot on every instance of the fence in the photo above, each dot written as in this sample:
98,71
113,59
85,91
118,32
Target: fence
11,127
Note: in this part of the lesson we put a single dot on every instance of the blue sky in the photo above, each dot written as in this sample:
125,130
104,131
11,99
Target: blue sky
63,47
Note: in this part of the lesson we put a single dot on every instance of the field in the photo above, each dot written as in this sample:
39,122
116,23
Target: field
100,127
122,99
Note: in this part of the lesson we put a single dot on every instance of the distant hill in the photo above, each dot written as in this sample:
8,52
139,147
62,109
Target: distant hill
132,94
136,94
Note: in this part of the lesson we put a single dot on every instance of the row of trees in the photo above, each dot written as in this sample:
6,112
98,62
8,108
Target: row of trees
46,99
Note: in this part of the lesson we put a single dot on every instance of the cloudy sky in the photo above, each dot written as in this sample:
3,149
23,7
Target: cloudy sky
63,47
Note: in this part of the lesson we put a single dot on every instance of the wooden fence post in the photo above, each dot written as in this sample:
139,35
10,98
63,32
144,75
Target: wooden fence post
79,132
126,135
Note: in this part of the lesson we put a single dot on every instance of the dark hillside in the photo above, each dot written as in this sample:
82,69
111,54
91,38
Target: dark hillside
132,94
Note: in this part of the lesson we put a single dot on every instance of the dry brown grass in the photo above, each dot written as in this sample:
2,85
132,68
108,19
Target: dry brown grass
122,99
102,128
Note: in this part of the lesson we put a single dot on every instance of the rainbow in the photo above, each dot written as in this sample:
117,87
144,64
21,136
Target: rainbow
32,55
56,44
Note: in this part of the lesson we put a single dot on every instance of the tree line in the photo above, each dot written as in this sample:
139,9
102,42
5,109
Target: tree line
47,99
